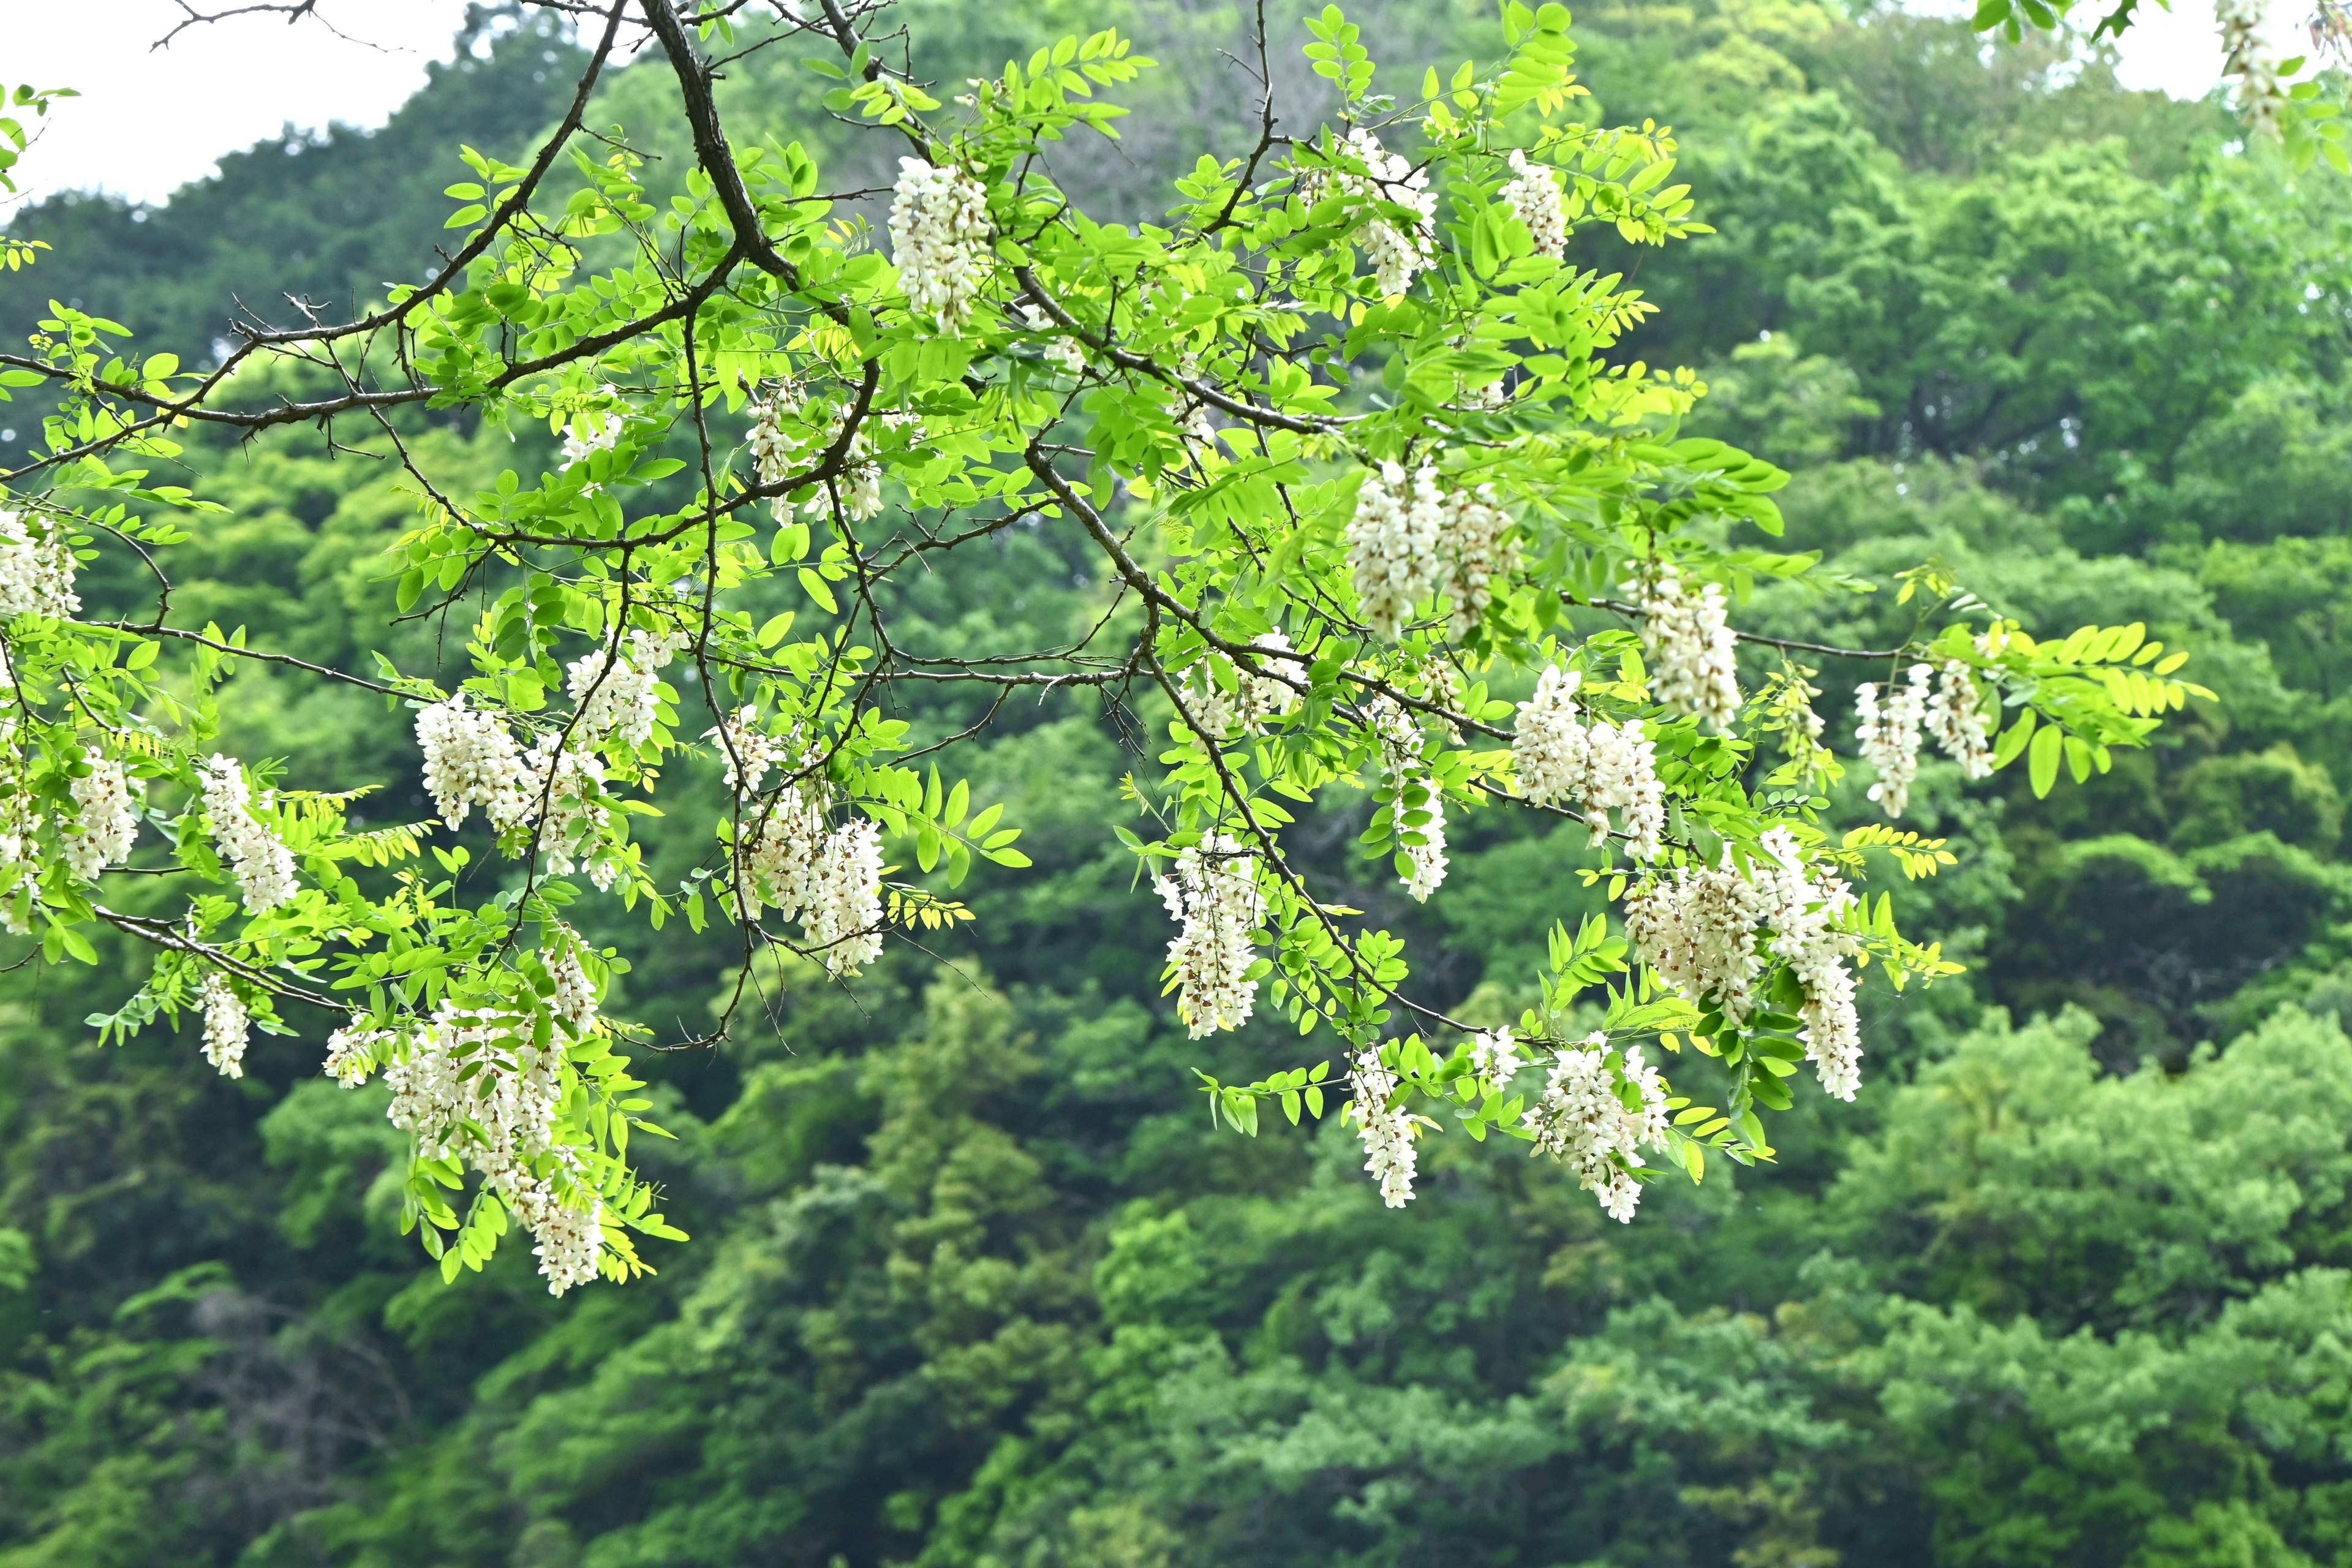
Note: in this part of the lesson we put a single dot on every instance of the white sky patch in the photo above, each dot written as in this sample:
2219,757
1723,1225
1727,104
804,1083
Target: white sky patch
149,121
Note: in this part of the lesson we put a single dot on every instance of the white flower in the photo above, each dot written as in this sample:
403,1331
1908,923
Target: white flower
351,1052
586,435
857,492
1060,348
774,449
571,780
621,702
1889,733
843,916
1495,1057
1259,699
469,1084
1213,894
471,759
1581,1121
1688,637
225,1019
2249,55
1534,197
938,237
1550,752
263,866
1956,717
1416,795
19,828
1392,545
36,569
745,750
1396,253
108,821
574,1001
1699,928
1387,1132
777,859
1624,778
1474,553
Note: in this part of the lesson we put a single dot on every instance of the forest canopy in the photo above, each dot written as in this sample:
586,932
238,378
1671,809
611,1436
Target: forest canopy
1353,490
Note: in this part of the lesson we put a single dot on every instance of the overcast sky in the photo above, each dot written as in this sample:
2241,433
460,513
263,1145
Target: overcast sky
151,119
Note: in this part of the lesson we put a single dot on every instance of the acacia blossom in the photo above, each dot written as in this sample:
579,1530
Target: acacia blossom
471,759
574,1001
1060,348
745,751
620,702
19,827
1533,195
586,435
1397,254
1700,927
36,569
938,237
1581,1121
1415,794
1212,894
225,1022
1474,551
2248,55
843,916
263,866
1386,1129
108,818
774,449
1604,767
1889,732
1392,545
1495,1057
1689,641
1956,718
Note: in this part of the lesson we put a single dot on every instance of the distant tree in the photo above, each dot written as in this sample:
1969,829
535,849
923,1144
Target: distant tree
1343,441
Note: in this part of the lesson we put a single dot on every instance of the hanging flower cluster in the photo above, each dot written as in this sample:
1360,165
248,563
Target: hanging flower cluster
471,1085
746,751
20,827
1533,193
586,435
1691,645
1251,702
1060,348
617,696
2249,55
1397,254
1411,539
829,879
774,449
1888,730
471,759
1386,1129
1956,718
938,237
108,819
1602,767
1417,796
1699,926
1212,894
1582,1121
1494,1057
36,569
264,866
226,1023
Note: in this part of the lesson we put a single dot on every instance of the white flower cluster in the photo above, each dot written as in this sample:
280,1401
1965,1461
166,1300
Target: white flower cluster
471,759
1495,1057
263,864
1392,545
1888,730
621,703
1396,253
1213,893
1698,929
830,879
1581,1121
2249,55
774,449
1255,701
471,1085
225,1020
37,570
1602,767
353,1053
1476,552
20,826
576,994
1689,641
1956,718
1199,424
938,237
108,819
1534,197
1416,794
1061,348
1386,1130
745,751
1411,538
586,435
